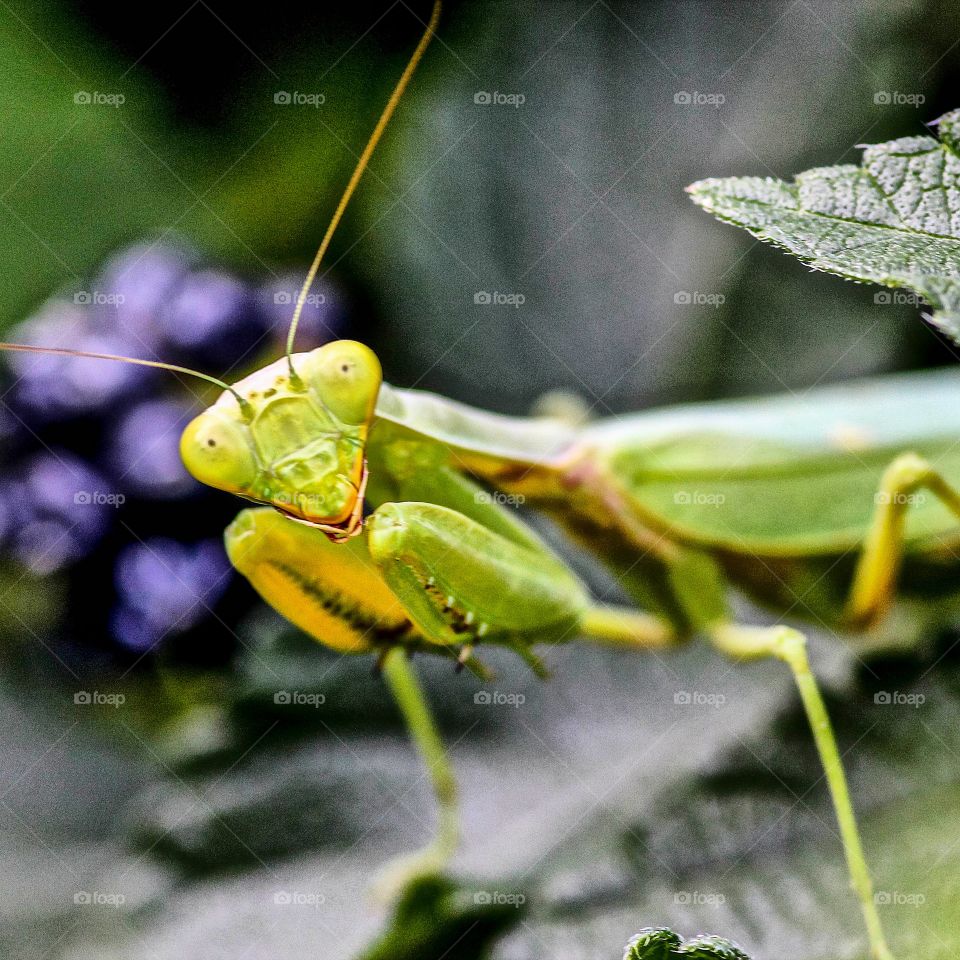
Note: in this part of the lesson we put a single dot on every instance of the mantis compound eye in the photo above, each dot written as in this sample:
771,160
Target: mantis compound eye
216,451
346,376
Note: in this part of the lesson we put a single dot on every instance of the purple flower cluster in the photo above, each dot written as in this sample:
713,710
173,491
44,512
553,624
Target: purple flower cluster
92,485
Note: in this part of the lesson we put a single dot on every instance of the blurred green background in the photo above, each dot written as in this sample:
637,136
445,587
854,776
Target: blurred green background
199,802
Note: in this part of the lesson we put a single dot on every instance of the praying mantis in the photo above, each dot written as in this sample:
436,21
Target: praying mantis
383,524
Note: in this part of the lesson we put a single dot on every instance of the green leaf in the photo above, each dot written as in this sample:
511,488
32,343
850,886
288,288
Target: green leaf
663,944
437,918
894,220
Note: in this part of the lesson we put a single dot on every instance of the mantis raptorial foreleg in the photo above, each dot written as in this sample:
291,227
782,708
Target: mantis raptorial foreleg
462,583
332,591
875,579
427,576
405,470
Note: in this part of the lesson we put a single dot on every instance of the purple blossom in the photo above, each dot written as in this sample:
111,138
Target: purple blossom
166,587
145,448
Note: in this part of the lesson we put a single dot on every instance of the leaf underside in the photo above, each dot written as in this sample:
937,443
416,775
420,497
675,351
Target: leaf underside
894,220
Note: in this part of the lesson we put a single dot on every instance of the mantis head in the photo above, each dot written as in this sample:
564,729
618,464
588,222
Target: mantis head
294,441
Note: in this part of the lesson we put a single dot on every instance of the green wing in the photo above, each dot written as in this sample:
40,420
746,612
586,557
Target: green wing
531,440
787,475
771,500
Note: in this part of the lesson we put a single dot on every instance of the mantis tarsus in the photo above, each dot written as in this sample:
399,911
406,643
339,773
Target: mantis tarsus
768,496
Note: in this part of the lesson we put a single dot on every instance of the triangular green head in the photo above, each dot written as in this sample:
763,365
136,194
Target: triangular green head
296,443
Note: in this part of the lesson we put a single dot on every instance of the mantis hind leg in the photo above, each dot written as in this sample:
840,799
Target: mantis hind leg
701,591
875,576
789,646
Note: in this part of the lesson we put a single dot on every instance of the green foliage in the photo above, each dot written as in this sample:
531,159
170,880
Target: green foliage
436,919
894,220
663,944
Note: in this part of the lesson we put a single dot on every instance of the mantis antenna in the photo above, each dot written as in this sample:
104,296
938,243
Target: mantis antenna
137,361
361,166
